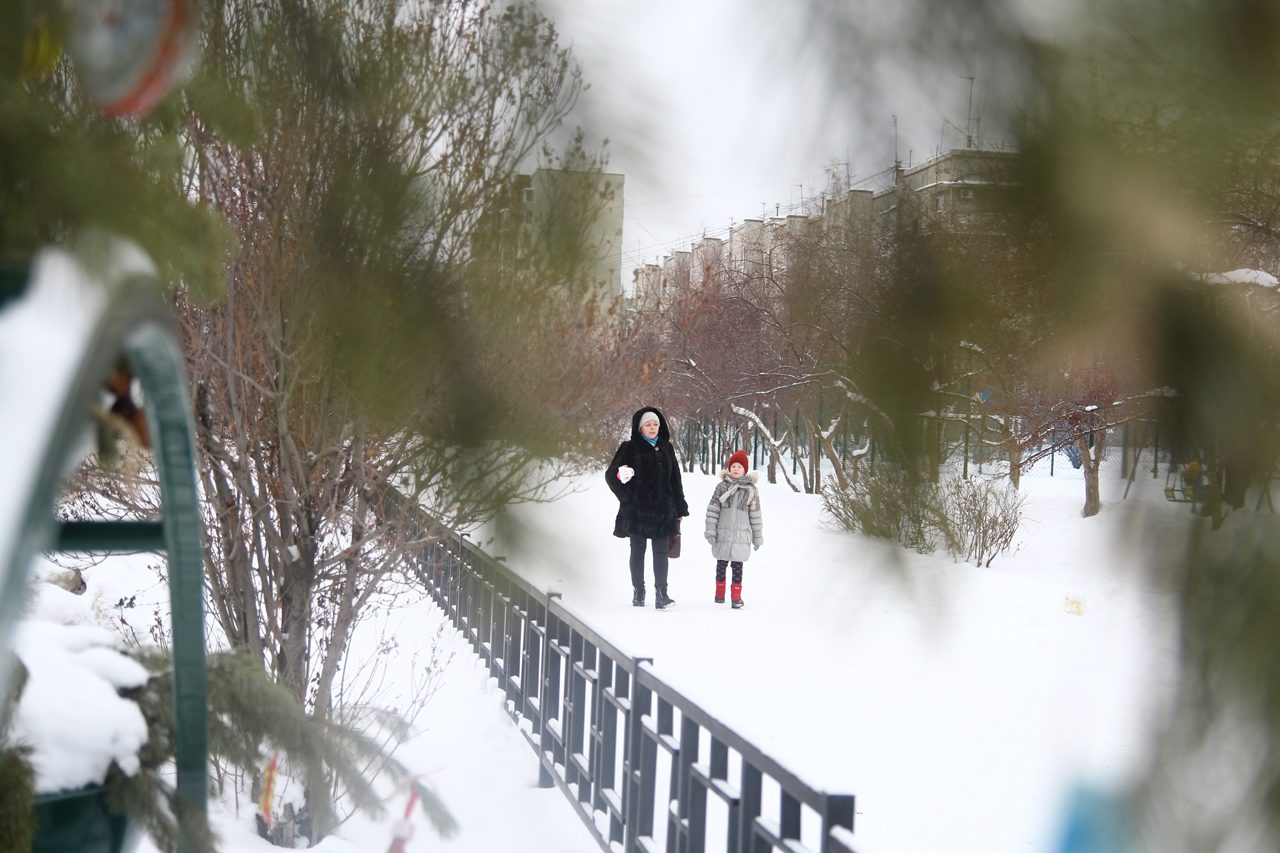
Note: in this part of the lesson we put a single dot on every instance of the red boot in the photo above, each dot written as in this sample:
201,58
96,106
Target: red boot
719,592
736,591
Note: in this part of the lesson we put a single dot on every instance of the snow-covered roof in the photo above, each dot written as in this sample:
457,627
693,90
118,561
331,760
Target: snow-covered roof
1243,276
959,182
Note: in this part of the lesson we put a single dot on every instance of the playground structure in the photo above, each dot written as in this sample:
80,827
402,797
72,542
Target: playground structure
69,326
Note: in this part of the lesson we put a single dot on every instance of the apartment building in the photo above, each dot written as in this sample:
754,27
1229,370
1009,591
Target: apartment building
965,187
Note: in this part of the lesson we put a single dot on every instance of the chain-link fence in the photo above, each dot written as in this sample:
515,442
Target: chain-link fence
1139,460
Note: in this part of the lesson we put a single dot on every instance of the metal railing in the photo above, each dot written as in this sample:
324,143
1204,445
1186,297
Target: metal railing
612,735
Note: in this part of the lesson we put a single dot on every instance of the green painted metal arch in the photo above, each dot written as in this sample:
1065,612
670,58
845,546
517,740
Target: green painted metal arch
153,350
136,323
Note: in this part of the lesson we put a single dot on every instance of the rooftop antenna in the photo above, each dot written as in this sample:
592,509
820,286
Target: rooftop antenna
896,162
968,121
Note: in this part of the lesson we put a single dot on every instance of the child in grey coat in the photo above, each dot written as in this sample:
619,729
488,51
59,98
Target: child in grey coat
734,527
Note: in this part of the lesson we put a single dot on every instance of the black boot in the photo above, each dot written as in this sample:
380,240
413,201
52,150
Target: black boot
637,597
660,599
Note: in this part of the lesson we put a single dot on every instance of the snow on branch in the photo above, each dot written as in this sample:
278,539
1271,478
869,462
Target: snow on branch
774,443
1066,420
859,452
1257,278
858,398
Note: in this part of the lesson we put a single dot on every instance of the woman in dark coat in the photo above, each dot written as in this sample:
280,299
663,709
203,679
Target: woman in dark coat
645,477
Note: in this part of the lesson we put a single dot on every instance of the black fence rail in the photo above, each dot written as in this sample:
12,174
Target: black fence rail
645,768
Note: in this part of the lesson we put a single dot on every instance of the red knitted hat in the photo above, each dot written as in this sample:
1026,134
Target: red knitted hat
740,457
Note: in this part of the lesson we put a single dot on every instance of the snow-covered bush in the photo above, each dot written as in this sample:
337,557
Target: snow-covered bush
974,520
887,505
983,516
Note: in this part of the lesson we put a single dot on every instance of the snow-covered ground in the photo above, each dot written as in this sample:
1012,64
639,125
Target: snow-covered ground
465,746
468,750
962,706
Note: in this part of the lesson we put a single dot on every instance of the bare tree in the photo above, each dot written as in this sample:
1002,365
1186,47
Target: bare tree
351,370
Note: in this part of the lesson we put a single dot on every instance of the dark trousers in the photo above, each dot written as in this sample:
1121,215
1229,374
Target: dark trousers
659,561
737,570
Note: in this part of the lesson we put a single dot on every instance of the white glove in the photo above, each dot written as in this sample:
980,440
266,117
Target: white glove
625,473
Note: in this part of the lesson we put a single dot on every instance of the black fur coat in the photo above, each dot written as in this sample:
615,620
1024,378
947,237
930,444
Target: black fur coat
652,503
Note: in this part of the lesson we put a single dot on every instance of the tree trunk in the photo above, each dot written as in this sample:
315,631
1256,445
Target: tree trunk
1091,461
799,465
933,438
1015,463
837,467
815,461
1014,452
827,446
296,592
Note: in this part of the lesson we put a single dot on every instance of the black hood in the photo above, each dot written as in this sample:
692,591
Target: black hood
663,432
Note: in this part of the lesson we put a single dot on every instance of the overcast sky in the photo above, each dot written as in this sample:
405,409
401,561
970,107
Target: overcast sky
719,110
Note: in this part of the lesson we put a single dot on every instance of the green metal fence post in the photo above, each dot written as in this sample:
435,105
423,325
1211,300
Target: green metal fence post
134,322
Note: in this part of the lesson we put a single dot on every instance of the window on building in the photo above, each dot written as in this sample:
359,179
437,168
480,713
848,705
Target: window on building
528,195
966,193
940,202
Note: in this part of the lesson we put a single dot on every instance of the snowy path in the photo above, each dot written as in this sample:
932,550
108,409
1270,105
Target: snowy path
960,705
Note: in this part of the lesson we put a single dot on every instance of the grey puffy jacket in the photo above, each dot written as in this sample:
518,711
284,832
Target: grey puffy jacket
733,518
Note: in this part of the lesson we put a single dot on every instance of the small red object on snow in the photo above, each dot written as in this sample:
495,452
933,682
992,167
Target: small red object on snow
268,789
402,831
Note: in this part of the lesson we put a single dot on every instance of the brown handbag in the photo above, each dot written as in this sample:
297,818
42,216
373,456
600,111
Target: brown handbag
673,542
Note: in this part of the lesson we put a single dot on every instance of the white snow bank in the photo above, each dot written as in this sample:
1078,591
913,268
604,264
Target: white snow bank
70,712
1244,276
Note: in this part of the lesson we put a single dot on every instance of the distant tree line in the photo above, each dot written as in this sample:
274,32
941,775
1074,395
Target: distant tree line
854,339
